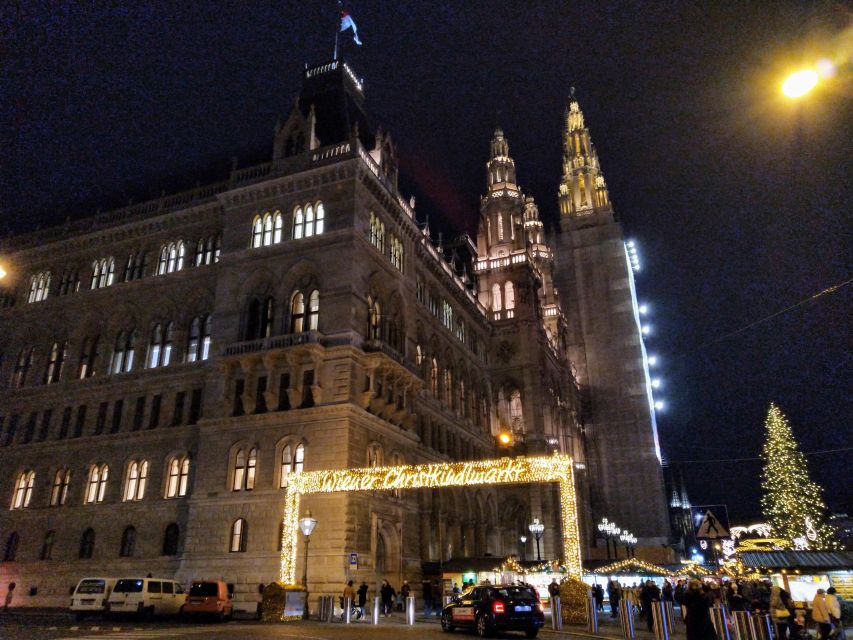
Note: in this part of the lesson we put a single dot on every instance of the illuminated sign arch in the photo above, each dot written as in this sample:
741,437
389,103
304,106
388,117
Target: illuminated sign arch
522,470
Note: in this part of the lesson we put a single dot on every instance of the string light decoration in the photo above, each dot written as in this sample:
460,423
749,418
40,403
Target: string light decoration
522,470
633,564
792,503
693,568
511,564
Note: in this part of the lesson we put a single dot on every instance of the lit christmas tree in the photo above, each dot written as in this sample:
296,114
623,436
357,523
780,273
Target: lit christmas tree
791,503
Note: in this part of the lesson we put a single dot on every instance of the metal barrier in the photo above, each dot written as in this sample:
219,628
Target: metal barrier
659,622
626,618
377,603
326,608
762,626
591,614
669,609
741,625
720,620
556,614
410,610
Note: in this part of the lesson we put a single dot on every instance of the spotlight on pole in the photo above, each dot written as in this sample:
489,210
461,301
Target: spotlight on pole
656,383
653,360
646,329
644,309
659,405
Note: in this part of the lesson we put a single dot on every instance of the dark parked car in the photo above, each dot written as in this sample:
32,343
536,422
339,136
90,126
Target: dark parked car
495,608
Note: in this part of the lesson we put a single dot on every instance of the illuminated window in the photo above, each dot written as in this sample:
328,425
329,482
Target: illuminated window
178,478
292,461
97,485
23,489
509,296
137,477
298,223
103,273
374,455
396,252
198,345
207,250
496,297
59,489
500,226
419,354
171,258
245,467
319,219
377,232
39,287
55,363
374,319
433,378
123,352
160,349
297,313
446,314
239,534
257,232
22,367
88,358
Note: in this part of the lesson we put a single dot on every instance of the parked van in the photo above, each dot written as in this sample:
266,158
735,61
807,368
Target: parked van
147,596
209,598
91,595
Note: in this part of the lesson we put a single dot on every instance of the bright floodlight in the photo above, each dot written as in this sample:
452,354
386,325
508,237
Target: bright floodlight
659,405
800,83
653,360
646,329
644,309
656,383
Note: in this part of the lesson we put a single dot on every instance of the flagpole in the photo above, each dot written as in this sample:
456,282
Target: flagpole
337,29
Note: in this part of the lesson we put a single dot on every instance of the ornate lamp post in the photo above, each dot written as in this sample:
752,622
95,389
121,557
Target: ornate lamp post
629,540
537,529
523,540
610,530
306,525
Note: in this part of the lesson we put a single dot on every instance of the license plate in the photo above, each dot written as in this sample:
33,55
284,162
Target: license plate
523,607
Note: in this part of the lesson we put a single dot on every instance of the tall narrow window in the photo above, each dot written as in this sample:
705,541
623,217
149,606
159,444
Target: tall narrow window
319,219
239,470
500,226
374,319
179,472
292,461
135,267
297,313
123,352
172,257
39,287
267,317
509,296
88,358
59,489
128,542
56,362
239,533
198,345
313,310
160,349
103,273
298,223
87,544
11,550
433,378
277,225
22,367
47,546
70,283
97,486
309,221
496,297
267,230
170,539
137,477
23,489
374,456
257,232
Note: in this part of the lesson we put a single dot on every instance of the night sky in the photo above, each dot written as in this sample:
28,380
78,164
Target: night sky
739,199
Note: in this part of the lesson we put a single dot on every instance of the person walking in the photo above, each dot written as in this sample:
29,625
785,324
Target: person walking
362,596
387,593
349,593
598,596
698,618
833,603
405,592
614,594
649,597
781,609
820,614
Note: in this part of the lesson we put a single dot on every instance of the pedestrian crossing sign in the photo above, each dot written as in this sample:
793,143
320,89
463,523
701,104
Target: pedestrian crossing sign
711,527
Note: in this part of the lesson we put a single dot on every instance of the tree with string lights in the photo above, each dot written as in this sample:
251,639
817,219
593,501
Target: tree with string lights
791,503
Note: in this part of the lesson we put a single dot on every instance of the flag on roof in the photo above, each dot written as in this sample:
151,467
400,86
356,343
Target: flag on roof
348,23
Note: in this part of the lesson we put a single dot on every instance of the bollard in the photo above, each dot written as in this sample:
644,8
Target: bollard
659,625
410,610
347,617
741,625
556,614
591,614
764,626
376,604
670,616
626,618
720,620
325,608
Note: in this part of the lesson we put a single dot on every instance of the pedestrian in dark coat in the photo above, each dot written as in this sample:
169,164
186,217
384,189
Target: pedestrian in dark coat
698,618
614,593
362,596
387,593
649,596
598,595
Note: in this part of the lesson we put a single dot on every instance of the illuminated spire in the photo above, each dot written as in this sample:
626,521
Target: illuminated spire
583,190
500,166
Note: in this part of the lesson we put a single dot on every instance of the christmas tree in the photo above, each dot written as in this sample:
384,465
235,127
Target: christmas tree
792,503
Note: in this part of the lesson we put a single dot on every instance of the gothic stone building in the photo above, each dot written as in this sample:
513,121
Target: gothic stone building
166,366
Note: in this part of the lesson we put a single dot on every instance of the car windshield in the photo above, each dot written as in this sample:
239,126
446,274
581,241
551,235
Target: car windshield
128,586
517,593
200,589
91,586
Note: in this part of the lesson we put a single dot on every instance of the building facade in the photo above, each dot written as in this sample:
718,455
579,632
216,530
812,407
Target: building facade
168,365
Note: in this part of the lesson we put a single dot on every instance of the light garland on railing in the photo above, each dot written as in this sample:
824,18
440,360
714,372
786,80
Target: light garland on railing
521,470
633,563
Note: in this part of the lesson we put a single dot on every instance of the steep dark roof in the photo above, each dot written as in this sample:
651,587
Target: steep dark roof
829,560
338,100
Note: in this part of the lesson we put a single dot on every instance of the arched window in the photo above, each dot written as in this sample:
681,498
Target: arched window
59,489
419,354
448,388
39,287
88,357
56,360
259,318
267,230
128,542
277,224
433,378
319,219
207,250
198,345
396,252
257,232
22,367
47,545
178,478
23,489
298,223
11,547
123,352
170,539
313,310
374,455
137,477
87,544
171,257
239,534
309,221
160,349
374,319
292,461
103,273
496,297
509,296
245,466
98,476
515,411
297,313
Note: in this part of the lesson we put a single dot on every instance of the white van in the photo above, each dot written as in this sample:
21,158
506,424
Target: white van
147,596
91,595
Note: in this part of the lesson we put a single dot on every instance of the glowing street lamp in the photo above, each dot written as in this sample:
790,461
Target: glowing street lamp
505,439
800,83
537,529
523,540
3,273
306,525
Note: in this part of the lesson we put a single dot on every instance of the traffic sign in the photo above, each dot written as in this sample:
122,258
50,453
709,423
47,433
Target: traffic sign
711,527
353,560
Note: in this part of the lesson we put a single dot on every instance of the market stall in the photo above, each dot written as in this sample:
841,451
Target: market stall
802,573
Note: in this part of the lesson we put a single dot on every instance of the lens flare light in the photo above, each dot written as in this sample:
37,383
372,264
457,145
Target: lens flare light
800,83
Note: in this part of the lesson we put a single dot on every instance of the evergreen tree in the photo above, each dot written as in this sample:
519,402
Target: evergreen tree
792,503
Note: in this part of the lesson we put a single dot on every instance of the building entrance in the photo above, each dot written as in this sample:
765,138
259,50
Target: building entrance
522,470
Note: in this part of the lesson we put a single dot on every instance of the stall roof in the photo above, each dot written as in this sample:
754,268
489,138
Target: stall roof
632,566
826,560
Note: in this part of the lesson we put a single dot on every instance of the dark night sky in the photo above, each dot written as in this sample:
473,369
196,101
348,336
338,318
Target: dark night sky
739,200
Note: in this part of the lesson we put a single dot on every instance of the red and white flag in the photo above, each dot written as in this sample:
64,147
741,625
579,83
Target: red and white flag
348,23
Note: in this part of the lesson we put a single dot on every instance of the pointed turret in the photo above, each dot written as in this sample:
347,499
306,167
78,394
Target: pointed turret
583,190
501,228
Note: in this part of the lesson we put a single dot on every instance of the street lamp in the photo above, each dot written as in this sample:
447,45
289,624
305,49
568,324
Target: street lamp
523,540
537,529
629,540
306,525
610,530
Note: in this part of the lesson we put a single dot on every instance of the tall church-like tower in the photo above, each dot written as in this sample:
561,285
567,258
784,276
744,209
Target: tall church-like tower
595,283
